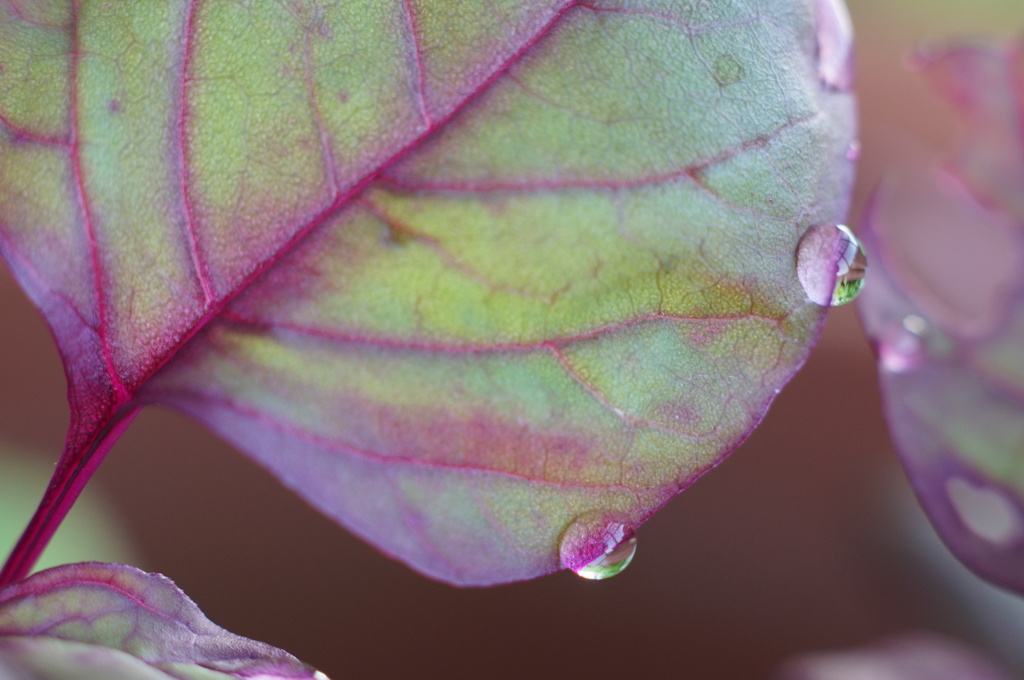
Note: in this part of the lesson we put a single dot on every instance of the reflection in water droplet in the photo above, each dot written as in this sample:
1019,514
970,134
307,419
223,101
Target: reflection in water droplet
621,548
831,264
850,270
835,45
597,548
985,511
901,347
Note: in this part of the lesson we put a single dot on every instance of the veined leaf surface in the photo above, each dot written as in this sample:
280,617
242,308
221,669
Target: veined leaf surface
458,273
96,621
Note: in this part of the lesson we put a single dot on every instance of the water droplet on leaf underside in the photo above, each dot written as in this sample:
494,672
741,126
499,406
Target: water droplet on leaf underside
831,264
853,151
596,548
901,345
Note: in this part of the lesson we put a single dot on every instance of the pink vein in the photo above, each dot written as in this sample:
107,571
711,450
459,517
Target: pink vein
34,280
372,456
341,337
439,248
78,581
83,200
413,519
356,189
330,162
192,234
544,184
670,18
603,400
417,49
20,15
21,133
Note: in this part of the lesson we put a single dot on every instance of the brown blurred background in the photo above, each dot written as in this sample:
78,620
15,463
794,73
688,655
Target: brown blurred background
792,545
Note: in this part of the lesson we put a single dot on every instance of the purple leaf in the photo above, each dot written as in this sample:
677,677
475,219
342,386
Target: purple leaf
463,276
92,619
945,310
919,657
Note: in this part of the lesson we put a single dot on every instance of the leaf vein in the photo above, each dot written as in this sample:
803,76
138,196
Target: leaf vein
384,459
83,200
199,264
418,65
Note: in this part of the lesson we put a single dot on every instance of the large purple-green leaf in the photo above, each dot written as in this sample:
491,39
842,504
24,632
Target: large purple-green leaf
946,311
459,273
114,622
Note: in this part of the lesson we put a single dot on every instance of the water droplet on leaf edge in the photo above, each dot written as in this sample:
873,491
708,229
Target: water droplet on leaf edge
597,548
831,264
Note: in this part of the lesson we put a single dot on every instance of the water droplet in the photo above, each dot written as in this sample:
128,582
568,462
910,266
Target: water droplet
596,547
985,511
835,45
853,151
901,347
831,264
914,324
619,549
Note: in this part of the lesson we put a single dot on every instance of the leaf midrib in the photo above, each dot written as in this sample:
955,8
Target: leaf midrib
340,202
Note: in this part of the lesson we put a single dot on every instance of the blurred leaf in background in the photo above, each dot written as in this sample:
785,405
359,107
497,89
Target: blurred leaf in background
92,532
916,657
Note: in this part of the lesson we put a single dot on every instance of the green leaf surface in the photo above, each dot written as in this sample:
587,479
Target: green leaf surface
457,273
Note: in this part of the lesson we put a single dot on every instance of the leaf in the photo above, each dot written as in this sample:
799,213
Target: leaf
945,312
912,657
457,273
95,620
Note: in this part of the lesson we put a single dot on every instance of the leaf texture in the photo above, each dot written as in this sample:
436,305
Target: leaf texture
458,273
114,622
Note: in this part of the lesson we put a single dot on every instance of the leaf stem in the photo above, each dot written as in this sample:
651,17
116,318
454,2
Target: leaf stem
77,464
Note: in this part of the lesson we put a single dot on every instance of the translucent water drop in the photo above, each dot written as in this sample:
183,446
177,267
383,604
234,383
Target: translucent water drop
853,151
901,347
596,547
985,511
914,324
851,268
831,264
835,45
621,547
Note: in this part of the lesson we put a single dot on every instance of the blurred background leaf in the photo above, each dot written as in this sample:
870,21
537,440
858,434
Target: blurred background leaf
91,533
